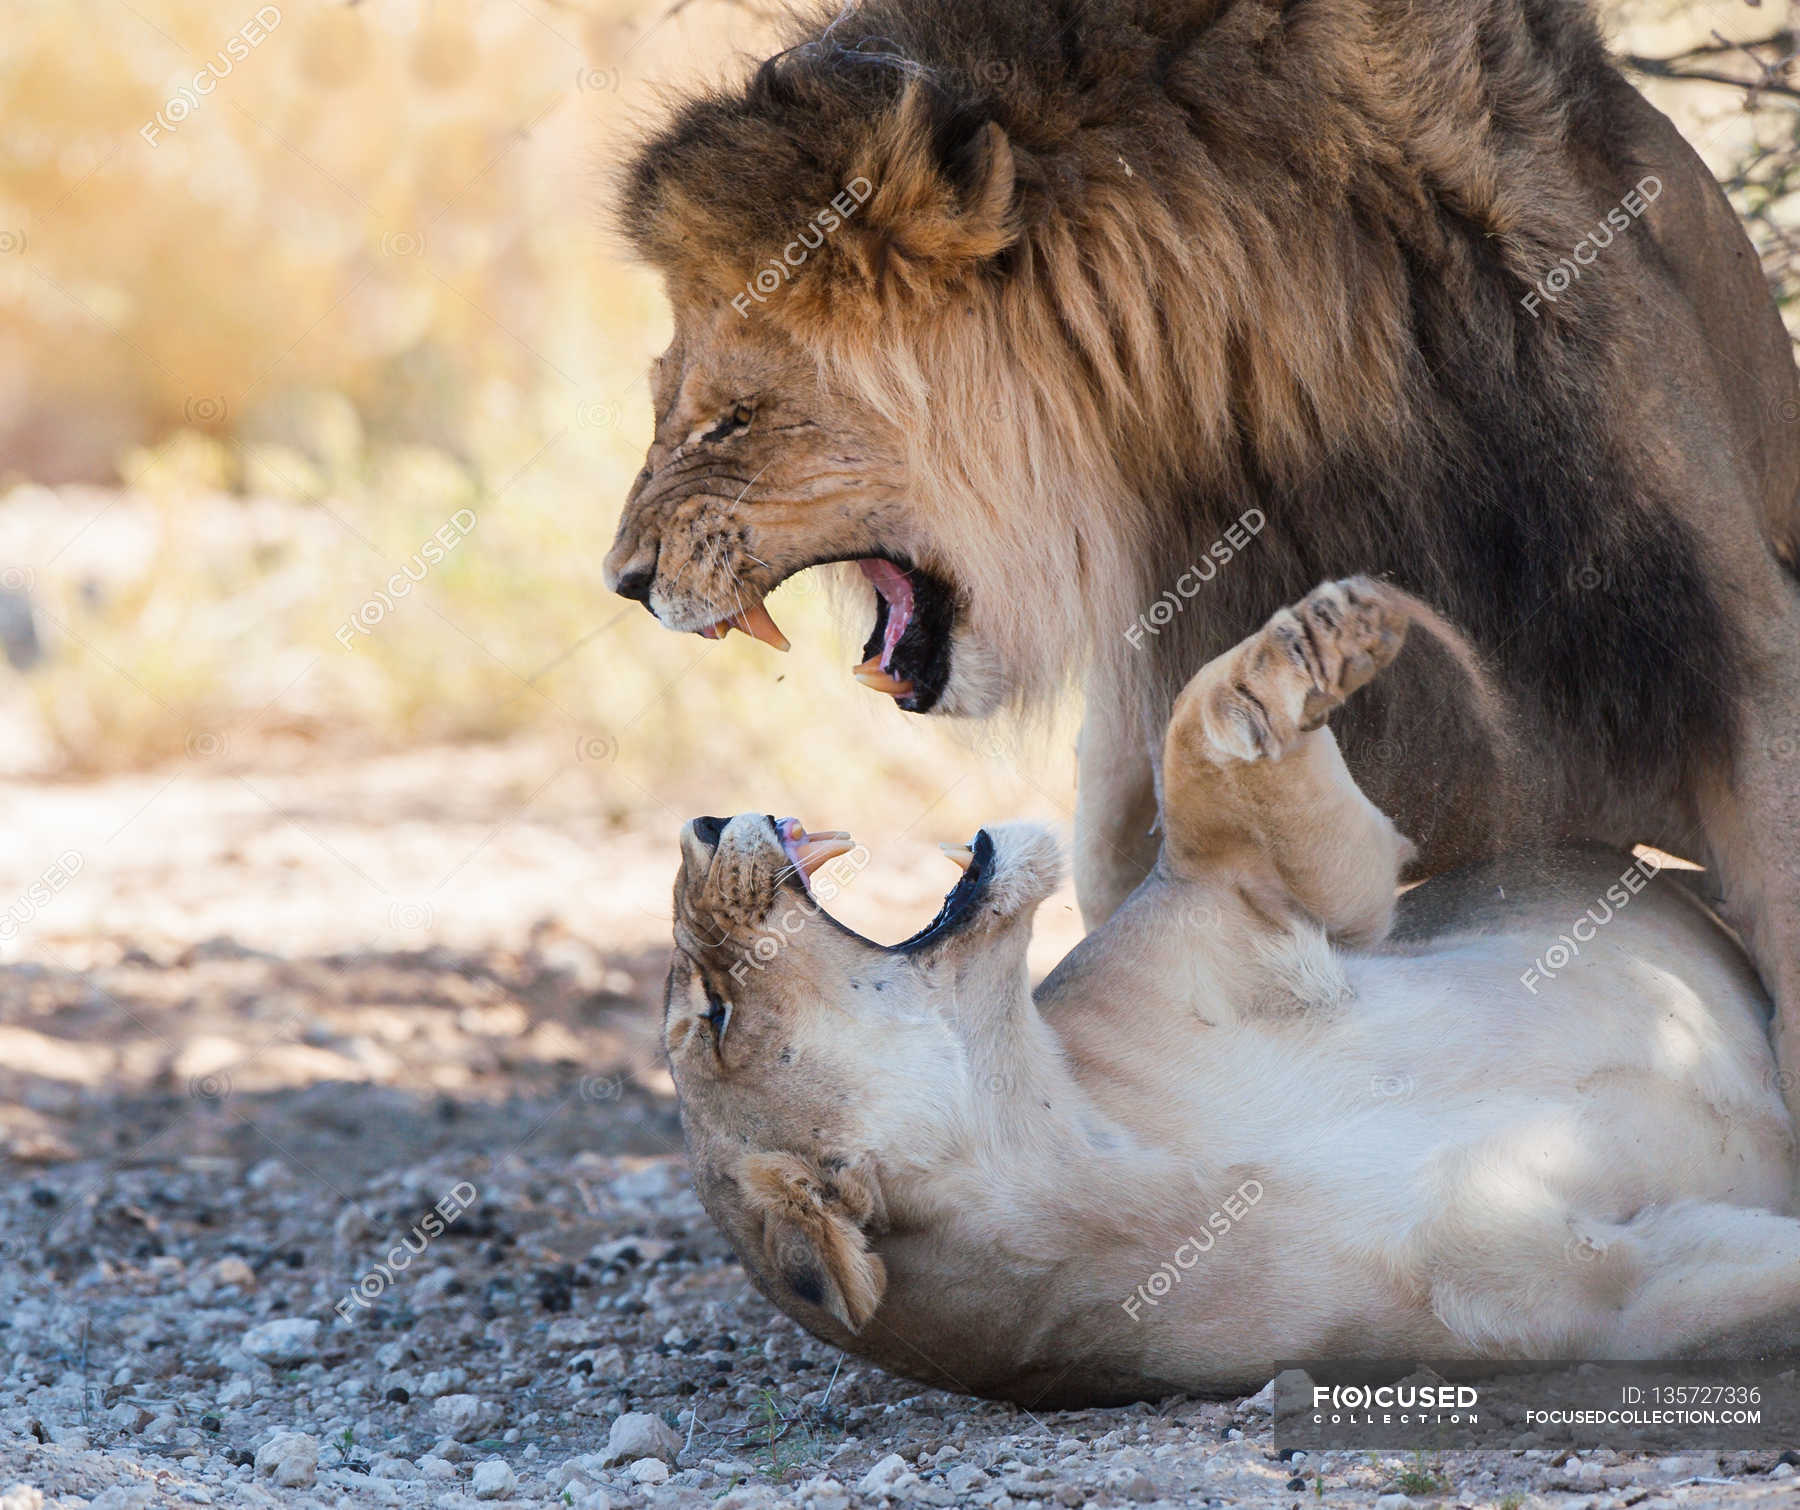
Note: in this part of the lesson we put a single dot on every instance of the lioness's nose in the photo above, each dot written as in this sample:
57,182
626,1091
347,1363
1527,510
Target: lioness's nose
631,578
635,584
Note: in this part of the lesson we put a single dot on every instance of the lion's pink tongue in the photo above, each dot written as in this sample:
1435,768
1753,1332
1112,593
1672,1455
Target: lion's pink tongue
896,588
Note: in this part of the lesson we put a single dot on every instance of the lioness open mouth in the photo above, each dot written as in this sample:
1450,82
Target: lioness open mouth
907,654
807,852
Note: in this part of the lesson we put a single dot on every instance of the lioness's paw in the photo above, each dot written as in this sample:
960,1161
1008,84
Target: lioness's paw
1254,701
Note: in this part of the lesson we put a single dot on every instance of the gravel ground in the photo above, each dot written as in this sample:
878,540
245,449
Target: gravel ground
214,1139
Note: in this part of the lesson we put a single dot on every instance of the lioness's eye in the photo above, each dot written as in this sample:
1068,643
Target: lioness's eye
718,1018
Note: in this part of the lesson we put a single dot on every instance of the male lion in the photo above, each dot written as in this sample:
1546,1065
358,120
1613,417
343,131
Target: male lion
1090,328
1332,1146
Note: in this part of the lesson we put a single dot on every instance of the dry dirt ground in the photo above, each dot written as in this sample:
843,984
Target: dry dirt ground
277,1015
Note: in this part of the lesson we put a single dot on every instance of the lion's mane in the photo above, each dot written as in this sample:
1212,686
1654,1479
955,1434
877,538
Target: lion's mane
1128,269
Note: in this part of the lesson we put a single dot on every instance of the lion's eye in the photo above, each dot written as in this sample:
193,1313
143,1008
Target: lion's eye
737,418
718,1018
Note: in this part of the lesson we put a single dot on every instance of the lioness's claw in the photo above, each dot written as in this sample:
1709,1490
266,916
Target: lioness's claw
962,854
870,674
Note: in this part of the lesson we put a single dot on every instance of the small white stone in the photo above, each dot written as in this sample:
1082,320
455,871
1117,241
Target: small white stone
493,1479
1393,1502
291,1458
459,1415
889,1474
649,1471
283,1344
29,1497
436,1468
639,1434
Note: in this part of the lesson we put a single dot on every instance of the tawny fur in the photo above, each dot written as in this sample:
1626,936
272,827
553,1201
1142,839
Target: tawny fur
1235,1125
1127,268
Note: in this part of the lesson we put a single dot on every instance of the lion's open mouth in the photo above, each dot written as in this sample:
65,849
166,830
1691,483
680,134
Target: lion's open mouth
907,654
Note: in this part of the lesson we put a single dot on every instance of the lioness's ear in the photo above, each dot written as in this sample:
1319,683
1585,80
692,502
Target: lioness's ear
935,210
814,1230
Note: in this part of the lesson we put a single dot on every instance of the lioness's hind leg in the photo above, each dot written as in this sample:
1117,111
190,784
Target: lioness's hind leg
1253,781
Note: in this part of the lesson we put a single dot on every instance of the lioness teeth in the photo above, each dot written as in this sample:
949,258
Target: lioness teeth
819,849
962,854
754,621
870,674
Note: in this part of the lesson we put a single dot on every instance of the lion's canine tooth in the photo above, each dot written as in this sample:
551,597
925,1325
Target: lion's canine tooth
962,854
870,674
756,622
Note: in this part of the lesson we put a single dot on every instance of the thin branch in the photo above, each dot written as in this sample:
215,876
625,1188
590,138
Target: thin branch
1781,41
1657,68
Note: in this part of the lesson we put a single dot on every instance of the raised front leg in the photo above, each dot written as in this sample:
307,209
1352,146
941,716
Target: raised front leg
1254,789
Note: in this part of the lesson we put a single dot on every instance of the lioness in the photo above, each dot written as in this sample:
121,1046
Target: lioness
1336,1145
1036,309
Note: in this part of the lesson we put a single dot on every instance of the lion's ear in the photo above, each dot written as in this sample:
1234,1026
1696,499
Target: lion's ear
936,211
814,1232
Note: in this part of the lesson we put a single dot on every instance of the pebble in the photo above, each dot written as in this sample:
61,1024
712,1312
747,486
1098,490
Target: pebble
462,1416
649,1471
888,1475
233,1273
639,1434
495,1480
291,1458
283,1344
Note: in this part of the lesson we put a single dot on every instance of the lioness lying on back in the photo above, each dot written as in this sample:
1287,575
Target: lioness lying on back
1336,1146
